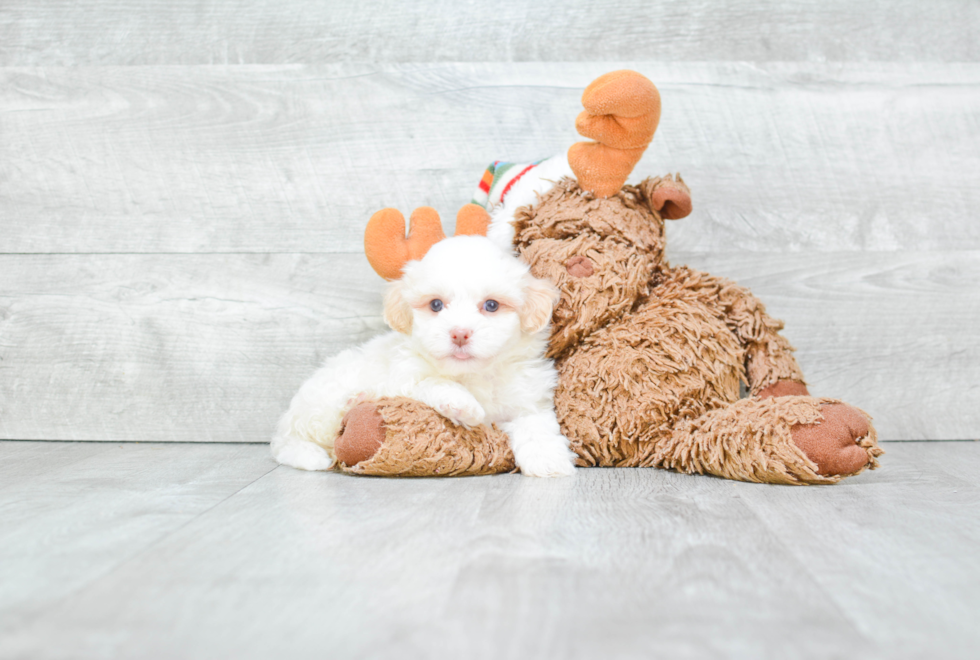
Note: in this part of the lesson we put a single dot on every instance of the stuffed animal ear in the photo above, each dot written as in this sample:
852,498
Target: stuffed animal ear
397,313
540,297
668,196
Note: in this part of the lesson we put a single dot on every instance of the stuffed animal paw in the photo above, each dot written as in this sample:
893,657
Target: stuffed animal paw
839,444
402,437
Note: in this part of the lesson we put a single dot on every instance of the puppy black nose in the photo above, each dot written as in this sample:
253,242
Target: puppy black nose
460,335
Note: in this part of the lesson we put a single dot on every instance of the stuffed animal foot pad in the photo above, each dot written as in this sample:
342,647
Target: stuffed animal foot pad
756,440
362,433
401,437
842,443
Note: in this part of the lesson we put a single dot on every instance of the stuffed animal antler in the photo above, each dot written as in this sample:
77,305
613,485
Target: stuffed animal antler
388,249
622,110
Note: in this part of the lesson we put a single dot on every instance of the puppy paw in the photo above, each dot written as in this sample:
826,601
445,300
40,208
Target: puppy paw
457,405
302,455
461,409
539,459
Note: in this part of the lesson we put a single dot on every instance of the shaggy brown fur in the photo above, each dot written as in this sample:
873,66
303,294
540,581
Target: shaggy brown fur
419,442
752,440
649,367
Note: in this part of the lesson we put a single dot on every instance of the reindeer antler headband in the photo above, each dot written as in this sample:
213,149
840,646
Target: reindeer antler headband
388,249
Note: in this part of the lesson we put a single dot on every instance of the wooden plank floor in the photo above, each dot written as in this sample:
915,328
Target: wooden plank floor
208,550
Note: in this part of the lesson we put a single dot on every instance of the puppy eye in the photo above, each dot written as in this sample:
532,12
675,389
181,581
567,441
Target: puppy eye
491,306
435,305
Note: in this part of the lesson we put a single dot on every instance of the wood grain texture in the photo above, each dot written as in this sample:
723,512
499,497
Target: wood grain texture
171,347
117,32
893,527
183,551
781,156
25,463
893,333
88,508
212,347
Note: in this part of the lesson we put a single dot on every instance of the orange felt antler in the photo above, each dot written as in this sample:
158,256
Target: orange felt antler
388,249
472,220
622,110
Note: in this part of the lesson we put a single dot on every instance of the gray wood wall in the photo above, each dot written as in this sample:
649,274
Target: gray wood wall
184,186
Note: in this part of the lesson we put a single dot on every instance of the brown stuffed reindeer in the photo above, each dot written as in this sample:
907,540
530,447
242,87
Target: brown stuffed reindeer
650,356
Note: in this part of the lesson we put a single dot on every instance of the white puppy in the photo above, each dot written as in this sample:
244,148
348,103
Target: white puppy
470,333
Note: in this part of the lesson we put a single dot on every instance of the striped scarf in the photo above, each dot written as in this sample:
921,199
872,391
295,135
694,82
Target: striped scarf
498,180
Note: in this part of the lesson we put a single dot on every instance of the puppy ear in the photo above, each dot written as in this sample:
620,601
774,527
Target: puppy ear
540,297
398,315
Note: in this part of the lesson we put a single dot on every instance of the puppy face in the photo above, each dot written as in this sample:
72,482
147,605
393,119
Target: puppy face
467,302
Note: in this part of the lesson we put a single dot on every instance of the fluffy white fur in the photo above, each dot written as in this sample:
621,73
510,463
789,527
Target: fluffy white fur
498,375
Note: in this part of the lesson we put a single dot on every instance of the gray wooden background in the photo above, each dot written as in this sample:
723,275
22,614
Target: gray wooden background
184,186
